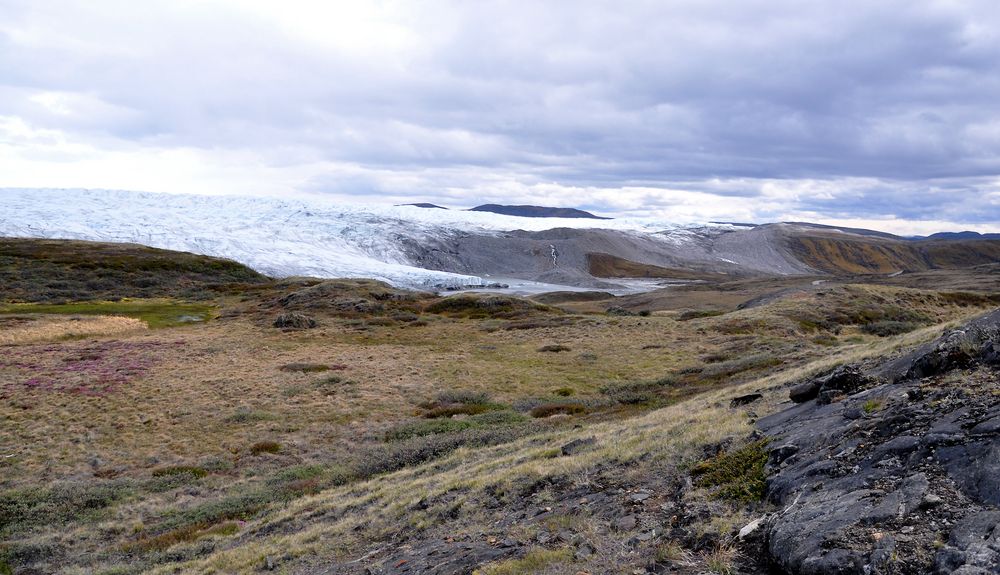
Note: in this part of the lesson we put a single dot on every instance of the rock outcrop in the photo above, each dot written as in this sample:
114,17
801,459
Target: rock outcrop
894,469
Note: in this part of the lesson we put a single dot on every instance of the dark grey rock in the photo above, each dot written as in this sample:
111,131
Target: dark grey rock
577,445
742,400
804,391
864,493
627,523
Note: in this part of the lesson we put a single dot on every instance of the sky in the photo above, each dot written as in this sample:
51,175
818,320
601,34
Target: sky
874,114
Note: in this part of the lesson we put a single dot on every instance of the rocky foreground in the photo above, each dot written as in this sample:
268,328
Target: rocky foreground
892,468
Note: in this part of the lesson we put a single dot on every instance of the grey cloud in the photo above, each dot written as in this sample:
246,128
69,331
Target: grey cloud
593,95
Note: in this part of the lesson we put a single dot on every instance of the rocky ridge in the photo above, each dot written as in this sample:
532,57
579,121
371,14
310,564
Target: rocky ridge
892,468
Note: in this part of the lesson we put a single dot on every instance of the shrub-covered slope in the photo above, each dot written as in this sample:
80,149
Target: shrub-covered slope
33,270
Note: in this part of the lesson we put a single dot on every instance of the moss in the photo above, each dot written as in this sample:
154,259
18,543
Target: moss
737,475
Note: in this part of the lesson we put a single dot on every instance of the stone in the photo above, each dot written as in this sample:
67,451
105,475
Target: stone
577,445
779,454
804,391
931,500
584,551
627,523
751,527
742,400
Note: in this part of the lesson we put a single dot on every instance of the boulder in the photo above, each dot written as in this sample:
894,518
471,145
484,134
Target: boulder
294,321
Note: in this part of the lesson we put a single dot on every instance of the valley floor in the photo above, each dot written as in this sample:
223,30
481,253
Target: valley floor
406,435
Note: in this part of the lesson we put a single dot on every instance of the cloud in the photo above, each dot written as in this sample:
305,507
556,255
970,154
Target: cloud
704,109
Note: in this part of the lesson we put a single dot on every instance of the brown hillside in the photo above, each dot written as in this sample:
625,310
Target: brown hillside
855,255
608,266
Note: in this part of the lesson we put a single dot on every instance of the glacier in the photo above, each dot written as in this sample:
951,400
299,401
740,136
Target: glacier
278,237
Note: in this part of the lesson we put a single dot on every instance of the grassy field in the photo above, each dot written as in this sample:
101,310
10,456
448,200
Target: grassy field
154,313
403,422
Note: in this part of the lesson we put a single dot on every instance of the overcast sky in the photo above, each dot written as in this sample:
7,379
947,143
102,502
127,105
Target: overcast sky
884,114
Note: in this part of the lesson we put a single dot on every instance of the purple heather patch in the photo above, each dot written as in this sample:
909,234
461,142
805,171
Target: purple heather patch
94,368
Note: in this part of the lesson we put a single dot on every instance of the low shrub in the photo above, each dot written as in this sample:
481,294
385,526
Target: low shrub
499,417
240,506
463,396
554,348
481,307
737,475
332,383
305,367
424,428
407,453
636,392
460,409
965,299
738,365
888,328
192,470
245,415
460,402
294,321
827,340
564,391
618,311
23,508
691,314
265,447
293,390
564,408
405,317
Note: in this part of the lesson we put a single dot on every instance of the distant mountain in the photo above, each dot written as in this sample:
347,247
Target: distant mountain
855,231
536,211
425,205
959,236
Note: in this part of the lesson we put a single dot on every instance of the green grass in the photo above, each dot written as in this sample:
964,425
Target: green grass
872,405
532,562
156,313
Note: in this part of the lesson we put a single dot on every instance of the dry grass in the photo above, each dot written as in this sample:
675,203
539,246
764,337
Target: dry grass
40,328
672,436
185,412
